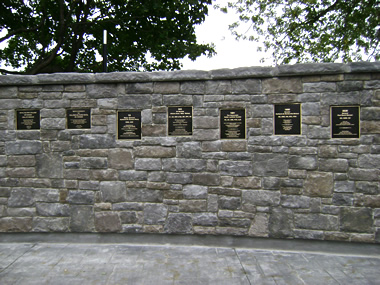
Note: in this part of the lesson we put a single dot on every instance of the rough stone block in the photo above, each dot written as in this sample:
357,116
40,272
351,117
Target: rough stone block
282,85
53,209
21,197
179,178
179,223
295,201
113,191
234,146
97,142
186,165
303,162
189,150
107,222
281,223
16,224
193,206
49,224
260,198
356,220
49,165
333,165
364,174
229,203
259,227
148,164
120,159
81,197
98,91
82,218
155,214
236,168
166,87
144,195
371,161
23,147
268,164
194,192
319,184
155,151
316,222
247,182
193,87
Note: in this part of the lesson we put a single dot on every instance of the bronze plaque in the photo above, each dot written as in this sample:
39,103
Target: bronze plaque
129,125
345,121
180,121
232,124
287,119
78,118
28,119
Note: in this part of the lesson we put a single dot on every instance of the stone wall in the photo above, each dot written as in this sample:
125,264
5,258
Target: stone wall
306,186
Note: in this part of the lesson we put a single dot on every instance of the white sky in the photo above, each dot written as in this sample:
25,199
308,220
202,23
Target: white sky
230,52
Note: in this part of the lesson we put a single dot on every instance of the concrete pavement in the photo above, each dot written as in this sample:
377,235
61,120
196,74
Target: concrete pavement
89,259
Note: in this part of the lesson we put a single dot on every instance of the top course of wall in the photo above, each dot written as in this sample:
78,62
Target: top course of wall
307,69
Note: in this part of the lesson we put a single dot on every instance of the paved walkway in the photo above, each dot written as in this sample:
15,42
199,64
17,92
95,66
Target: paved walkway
133,263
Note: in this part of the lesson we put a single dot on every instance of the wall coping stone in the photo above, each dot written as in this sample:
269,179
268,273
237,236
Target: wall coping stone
305,69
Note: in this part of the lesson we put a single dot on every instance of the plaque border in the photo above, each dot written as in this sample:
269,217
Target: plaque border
274,119
39,121
331,125
117,125
245,123
192,121
67,121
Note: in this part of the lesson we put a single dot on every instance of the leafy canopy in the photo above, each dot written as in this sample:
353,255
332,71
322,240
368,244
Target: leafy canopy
311,30
66,35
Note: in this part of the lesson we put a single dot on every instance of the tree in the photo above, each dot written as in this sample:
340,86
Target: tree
66,35
311,30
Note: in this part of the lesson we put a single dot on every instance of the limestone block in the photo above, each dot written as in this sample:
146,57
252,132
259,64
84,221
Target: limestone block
189,150
281,223
82,218
148,164
21,197
193,87
135,101
93,162
308,162
356,219
193,206
259,227
16,224
52,209
319,184
316,222
97,141
113,191
144,195
166,87
269,164
155,214
282,85
194,192
333,165
229,203
247,182
107,222
260,198
205,219
295,201
97,91
81,197
23,147
178,223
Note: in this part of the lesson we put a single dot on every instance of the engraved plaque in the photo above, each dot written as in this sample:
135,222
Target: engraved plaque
28,119
345,121
232,124
78,118
287,119
129,125
180,121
